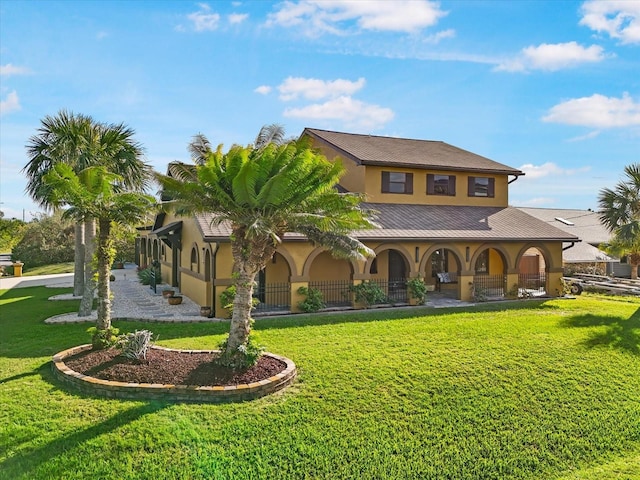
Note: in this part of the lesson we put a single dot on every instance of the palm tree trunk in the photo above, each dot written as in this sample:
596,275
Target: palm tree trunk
105,259
86,304
240,319
78,268
634,266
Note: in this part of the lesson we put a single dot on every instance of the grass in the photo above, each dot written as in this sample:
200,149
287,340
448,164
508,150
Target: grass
529,390
66,267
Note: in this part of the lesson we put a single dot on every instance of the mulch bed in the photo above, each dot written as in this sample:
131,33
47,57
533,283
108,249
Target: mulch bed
169,367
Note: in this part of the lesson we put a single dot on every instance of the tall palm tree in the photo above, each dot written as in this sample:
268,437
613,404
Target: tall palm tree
80,142
620,213
95,193
261,193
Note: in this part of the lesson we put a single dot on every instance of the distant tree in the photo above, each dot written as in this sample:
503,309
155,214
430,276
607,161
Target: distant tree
262,192
619,210
95,193
11,231
47,239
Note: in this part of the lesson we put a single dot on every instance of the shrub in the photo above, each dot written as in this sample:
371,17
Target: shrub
368,293
417,289
101,339
313,302
135,345
251,352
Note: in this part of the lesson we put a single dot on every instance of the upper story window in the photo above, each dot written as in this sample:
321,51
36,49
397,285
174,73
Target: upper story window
441,184
397,182
482,187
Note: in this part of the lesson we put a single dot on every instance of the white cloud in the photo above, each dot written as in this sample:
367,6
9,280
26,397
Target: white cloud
437,37
596,111
8,69
330,16
552,57
538,171
353,113
263,89
620,19
315,89
236,18
203,20
587,136
10,104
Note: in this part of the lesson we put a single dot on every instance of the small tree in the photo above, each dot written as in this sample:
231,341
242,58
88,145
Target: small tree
620,213
262,192
94,194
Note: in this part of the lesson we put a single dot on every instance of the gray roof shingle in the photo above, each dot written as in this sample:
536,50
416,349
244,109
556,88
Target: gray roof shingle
404,152
586,223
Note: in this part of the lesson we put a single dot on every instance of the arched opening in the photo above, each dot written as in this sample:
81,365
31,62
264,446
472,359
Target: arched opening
390,270
490,274
194,260
156,250
273,288
442,270
532,272
333,277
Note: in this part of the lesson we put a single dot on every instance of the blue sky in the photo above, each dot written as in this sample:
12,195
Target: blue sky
550,87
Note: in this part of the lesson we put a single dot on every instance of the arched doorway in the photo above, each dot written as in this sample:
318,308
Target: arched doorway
333,278
490,274
390,270
273,288
442,270
532,273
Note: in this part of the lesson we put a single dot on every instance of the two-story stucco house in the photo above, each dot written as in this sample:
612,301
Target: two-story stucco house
443,215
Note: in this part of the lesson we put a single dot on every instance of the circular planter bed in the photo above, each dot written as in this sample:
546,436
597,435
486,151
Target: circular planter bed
169,374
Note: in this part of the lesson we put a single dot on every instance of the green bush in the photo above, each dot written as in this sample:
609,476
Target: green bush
101,339
417,289
313,302
368,293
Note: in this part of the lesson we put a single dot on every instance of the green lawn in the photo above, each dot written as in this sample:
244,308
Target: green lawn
66,267
536,390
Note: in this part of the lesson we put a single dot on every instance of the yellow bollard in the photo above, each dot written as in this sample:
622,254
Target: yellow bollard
17,269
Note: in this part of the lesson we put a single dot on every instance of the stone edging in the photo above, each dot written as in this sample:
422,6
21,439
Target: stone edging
179,393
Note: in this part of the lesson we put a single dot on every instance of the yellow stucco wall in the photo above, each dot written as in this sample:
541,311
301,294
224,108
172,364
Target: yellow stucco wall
373,187
325,267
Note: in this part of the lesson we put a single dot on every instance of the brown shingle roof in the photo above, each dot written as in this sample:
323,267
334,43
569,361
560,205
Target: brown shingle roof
435,222
404,152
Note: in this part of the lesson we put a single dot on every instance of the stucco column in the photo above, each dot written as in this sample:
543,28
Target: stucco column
554,282
297,297
513,282
465,284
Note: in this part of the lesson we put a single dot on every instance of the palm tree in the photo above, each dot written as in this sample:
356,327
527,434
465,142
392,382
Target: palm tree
95,193
620,213
77,140
262,193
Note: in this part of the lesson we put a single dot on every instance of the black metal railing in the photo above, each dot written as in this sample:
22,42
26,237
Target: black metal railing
394,288
335,293
273,297
489,286
532,283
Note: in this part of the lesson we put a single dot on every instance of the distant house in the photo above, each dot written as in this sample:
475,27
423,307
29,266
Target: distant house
443,215
586,225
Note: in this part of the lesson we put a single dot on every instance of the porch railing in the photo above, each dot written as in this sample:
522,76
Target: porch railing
273,297
335,293
394,288
489,286
532,283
